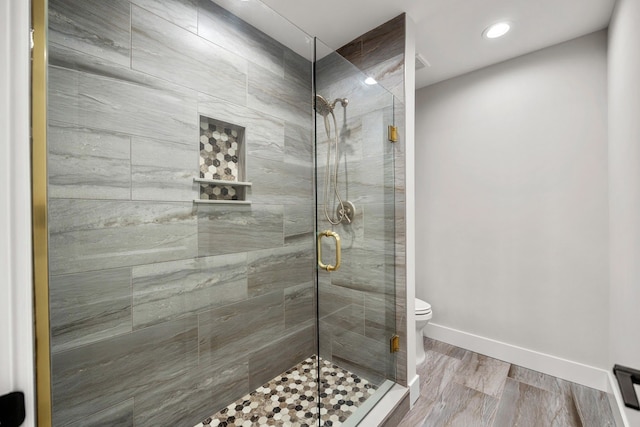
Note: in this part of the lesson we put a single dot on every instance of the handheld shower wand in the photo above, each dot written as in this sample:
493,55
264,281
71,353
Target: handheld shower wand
345,210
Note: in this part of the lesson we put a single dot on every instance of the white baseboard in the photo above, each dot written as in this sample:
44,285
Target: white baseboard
589,376
414,390
616,402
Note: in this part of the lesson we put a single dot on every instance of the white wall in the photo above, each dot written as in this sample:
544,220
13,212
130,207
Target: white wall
16,330
512,201
624,175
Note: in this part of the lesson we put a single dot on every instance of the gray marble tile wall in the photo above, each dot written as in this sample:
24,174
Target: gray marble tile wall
380,54
162,311
372,281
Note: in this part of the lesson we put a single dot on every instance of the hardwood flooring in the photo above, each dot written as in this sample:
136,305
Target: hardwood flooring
460,388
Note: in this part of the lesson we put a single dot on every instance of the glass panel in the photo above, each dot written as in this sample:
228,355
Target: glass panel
355,205
163,291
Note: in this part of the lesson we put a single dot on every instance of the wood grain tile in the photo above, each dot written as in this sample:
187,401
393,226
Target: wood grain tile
169,290
284,99
348,318
365,270
183,13
299,222
460,406
436,373
280,355
93,27
279,268
365,355
88,163
380,316
268,178
89,307
593,406
525,405
539,380
335,298
101,234
240,328
254,227
528,398
444,348
97,102
379,226
299,305
298,67
97,376
172,53
235,35
298,143
297,183
192,397
482,373
164,170
383,42
120,415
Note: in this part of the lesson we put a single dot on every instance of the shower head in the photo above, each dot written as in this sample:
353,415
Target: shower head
325,108
322,106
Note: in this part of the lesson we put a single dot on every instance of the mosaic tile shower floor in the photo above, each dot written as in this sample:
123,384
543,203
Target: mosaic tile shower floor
290,399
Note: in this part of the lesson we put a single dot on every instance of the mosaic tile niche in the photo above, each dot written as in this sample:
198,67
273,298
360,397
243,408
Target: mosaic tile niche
222,163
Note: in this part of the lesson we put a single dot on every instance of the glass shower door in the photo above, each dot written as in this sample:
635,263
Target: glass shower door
355,238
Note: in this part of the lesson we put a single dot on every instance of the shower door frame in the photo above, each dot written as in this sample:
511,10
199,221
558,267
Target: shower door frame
39,10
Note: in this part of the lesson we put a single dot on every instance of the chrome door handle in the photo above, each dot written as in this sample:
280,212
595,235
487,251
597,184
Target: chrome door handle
336,236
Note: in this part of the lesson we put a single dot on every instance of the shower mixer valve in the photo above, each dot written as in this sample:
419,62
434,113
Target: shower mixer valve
346,211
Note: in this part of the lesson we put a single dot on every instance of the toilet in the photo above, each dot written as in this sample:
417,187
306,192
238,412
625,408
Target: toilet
423,315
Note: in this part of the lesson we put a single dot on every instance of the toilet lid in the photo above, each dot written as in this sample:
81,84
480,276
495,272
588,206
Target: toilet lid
422,307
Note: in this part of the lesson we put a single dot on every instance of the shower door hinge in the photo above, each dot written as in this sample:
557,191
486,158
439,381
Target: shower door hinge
393,133
395,344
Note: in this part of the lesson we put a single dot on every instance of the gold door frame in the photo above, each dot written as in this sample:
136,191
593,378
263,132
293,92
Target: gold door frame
39,213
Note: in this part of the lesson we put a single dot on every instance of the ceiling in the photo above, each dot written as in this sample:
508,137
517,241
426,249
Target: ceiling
449,32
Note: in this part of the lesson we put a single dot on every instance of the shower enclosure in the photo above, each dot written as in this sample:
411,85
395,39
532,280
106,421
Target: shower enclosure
187,230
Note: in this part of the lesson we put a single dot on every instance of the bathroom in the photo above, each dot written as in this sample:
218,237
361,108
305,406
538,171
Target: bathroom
140,195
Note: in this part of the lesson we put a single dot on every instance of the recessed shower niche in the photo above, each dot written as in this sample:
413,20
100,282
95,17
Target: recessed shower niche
222,163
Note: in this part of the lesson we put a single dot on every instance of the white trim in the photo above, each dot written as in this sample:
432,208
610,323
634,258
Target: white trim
589,376
16,284
414,389
616,402
410,202
6,381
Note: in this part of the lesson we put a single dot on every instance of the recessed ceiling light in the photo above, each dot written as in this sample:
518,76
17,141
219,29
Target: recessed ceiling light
496,30
370,81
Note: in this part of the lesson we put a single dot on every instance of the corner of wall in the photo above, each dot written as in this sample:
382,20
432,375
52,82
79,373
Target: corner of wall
623,63
409,89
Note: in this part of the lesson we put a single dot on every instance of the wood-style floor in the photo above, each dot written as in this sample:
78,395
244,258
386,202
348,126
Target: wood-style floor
460,388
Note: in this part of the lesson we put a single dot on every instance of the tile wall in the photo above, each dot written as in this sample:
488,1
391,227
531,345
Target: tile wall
155,299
